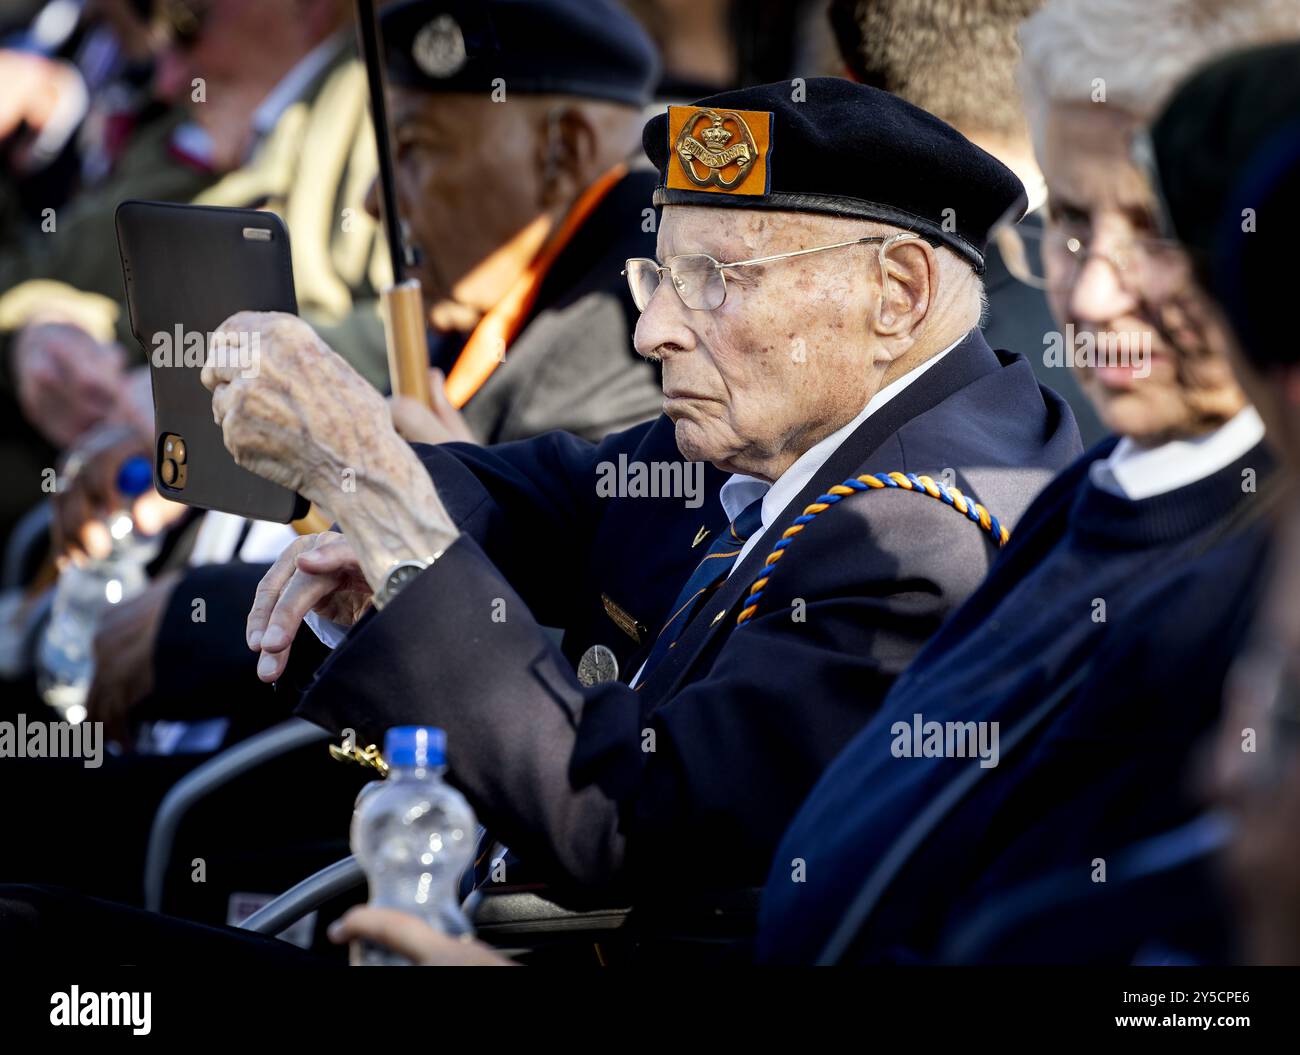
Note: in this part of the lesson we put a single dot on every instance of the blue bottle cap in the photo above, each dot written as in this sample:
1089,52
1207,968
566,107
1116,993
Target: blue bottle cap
415,745
135,476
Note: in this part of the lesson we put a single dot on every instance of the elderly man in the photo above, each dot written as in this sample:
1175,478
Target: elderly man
817,324
512,145
1048,725
838,341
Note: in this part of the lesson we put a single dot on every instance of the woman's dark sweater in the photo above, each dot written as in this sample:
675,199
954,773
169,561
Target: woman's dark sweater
1092,584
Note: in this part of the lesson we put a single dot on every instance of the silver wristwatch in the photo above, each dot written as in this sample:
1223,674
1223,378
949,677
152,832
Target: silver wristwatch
399,575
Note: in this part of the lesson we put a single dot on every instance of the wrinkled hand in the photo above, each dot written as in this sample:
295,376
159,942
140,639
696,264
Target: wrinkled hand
303,417
124,647
67,381
413,938
442,423
315,573
88,493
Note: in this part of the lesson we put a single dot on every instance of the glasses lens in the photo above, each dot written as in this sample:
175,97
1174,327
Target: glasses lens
1047,258
698,281
1053,257
642,280
1024,250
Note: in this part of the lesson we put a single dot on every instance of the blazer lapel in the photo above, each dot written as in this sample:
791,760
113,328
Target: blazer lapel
970,360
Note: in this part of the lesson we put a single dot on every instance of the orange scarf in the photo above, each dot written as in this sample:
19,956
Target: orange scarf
486,346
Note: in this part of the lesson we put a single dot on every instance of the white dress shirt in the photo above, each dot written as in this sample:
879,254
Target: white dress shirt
1136,472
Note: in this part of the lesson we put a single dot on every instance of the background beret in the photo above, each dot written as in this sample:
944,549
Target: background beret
1228,141
588,48
849,150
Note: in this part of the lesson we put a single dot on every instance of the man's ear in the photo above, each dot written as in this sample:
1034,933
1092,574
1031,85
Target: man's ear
909,282
566,145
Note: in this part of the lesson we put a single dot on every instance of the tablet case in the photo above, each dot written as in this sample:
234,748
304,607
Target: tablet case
187,269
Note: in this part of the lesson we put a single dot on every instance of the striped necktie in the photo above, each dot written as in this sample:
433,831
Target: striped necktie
708,575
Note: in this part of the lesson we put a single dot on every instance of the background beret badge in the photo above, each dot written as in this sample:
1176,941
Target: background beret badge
722,151
439,47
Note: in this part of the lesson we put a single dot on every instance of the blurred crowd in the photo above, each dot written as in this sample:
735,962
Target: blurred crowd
1157,144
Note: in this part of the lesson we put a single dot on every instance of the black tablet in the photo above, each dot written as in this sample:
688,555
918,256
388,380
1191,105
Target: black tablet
187,269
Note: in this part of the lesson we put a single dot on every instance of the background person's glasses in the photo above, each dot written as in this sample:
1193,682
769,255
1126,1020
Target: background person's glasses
1052,258
700,280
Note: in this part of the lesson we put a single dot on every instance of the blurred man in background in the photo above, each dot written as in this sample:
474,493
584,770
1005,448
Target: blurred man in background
513,176
277,119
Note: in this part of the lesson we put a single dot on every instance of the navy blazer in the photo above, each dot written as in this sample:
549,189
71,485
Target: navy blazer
708,759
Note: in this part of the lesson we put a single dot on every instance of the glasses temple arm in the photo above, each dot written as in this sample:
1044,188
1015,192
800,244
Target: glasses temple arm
819,249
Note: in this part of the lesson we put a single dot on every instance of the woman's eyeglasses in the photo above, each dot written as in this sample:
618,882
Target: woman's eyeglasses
1053,258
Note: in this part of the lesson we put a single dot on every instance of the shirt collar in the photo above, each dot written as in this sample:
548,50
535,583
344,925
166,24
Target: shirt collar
1136,472
739,490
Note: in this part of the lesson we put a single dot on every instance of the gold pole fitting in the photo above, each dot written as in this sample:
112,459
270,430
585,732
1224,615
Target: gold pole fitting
407,341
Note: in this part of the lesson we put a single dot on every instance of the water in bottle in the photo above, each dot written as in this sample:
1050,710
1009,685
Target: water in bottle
65,661
413,835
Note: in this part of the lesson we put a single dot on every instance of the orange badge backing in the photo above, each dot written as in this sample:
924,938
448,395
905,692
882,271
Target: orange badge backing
719,151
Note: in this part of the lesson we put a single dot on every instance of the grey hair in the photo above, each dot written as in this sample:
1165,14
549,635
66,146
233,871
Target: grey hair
1135,51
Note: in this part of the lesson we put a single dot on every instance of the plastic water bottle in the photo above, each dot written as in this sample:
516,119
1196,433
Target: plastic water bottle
414,835
65,661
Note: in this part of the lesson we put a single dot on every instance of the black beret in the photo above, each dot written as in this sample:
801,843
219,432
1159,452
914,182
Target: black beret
836,147
588,48
1226,153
